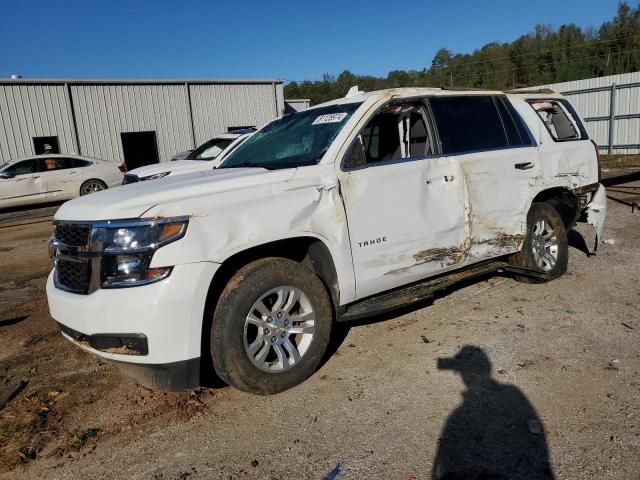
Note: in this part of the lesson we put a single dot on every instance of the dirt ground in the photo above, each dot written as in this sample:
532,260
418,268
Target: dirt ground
547,373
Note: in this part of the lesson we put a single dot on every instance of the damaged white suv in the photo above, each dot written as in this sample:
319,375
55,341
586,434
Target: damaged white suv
348,209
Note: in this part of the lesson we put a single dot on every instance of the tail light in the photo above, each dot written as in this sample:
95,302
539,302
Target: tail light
595,145
122,167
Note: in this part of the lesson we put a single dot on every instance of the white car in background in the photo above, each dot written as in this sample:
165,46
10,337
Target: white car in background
206,157
54,177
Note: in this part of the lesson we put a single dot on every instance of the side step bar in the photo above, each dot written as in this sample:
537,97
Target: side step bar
424,290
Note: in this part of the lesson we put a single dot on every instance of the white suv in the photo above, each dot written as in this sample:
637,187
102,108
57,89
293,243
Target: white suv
348,209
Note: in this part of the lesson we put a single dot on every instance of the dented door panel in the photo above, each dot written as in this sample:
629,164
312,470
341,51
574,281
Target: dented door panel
407,220
499,195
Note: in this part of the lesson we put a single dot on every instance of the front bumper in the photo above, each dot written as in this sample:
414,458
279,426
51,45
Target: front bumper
167,314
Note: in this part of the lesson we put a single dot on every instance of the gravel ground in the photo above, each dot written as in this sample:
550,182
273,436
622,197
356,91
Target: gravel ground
540,378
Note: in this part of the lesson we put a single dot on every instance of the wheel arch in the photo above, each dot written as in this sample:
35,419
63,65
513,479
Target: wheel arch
309,251
563,200
92,179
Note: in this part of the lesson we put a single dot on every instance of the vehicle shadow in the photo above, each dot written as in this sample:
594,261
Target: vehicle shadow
577,241
495,433
33,208
621,179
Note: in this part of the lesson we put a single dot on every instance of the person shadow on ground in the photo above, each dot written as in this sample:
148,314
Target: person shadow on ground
495,434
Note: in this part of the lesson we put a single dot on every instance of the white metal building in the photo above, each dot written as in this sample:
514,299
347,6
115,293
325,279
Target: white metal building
610,106
135,120
293,105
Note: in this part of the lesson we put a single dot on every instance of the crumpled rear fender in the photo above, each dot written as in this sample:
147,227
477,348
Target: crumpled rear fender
597,212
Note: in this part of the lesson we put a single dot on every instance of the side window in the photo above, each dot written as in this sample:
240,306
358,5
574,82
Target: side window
78,163
398,131
25,167
419,138
468,123
57,163
381,138
517,133
559,122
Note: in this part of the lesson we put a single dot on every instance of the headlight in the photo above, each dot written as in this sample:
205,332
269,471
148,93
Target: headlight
155,176
127,249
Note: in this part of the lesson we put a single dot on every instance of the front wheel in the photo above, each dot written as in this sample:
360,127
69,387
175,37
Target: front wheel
271,326
545,248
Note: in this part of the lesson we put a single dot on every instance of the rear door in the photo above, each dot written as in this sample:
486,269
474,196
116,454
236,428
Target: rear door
499,158
24,184
405,206
62,179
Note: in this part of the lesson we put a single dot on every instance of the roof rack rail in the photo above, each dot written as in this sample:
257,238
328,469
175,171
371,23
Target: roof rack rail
534,90
469,89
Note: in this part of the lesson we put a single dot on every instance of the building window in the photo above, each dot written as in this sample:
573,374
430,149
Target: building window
46,145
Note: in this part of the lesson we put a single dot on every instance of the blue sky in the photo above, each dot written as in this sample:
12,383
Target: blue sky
260,39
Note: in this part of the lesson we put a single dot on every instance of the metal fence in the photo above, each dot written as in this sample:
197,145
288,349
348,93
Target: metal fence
611,108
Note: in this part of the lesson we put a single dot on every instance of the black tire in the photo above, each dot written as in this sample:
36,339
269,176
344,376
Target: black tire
526,258
87,187
231,361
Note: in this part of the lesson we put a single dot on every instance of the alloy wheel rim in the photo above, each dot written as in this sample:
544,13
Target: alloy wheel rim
93,187
544,245
279,329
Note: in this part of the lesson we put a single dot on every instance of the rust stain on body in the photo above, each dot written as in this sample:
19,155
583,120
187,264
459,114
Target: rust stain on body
503,240
450,256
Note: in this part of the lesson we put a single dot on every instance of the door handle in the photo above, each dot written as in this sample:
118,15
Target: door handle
523,165
71,173
447,178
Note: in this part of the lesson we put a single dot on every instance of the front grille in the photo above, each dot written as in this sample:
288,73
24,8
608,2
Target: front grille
72,235
130,178
73,276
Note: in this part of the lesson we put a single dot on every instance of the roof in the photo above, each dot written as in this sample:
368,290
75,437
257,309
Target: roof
407,92
129,81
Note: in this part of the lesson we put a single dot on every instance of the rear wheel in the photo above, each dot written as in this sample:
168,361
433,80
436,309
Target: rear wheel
91,186
271,326
545,248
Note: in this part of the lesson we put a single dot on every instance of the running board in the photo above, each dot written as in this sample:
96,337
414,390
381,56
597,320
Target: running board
424,290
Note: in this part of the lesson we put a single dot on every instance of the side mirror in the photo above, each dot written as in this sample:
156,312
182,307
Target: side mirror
6,176
356,156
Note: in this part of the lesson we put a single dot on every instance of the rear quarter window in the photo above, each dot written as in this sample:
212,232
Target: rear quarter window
77,163
560,119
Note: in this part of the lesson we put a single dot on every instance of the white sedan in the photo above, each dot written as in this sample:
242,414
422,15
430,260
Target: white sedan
206,157
54,177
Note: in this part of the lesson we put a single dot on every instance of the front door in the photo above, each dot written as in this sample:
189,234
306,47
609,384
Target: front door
405,207
22,184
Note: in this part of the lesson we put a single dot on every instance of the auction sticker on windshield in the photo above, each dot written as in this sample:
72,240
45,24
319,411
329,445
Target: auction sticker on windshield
330,118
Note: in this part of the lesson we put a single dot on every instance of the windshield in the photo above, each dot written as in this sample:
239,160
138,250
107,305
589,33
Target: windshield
210,149
294,140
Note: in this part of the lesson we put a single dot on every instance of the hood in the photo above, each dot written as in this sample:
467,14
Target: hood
133,200
181,166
